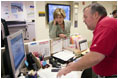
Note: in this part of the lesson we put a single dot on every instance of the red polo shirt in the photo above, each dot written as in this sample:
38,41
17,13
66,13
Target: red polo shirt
105,42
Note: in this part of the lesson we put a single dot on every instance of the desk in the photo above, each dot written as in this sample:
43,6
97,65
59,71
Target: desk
46,73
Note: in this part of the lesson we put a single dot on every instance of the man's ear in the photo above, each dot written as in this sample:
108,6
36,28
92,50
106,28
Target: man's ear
96,15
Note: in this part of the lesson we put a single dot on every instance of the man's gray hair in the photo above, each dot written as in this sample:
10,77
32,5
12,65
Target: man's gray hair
96,7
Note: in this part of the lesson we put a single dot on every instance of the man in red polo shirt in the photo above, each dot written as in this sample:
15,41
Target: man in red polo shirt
103,51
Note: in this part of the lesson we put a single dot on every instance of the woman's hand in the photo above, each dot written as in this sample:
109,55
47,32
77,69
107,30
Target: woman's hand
55,21
62,35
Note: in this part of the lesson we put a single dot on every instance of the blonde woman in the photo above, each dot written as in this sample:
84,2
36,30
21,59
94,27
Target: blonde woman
59,27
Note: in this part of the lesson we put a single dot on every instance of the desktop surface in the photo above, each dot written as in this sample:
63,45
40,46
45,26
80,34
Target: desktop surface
47,73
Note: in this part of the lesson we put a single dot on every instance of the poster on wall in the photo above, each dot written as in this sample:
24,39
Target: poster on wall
17,11
5,13
16,7
30,12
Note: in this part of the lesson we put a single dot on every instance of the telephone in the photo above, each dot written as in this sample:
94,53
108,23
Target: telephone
54,62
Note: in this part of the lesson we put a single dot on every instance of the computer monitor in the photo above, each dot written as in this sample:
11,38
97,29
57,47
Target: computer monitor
50,8
15,53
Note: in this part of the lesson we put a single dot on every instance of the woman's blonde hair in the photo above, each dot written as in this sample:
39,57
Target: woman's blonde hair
59,11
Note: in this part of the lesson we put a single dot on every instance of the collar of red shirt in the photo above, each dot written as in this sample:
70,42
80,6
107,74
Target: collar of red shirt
98,22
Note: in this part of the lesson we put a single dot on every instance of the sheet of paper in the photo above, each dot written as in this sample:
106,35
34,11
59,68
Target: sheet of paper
33,47
56,46
44,48
66,42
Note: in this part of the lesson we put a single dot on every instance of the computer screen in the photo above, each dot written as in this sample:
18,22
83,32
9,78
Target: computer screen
51,8
16,52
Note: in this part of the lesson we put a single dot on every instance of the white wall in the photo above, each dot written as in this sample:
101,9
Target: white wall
42,28
40,23
82,29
